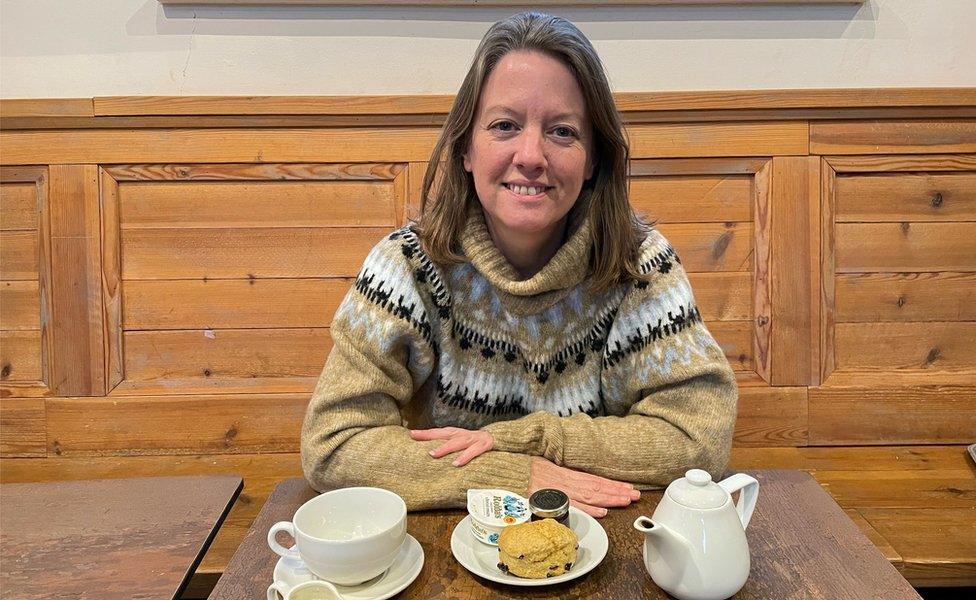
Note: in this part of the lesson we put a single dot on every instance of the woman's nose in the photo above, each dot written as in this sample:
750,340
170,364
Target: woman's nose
530,153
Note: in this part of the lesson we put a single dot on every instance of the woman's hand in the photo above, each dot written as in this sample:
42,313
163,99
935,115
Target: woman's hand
590,493
469,443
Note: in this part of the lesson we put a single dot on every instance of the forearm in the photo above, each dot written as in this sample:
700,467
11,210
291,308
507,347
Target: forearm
386,457
671,430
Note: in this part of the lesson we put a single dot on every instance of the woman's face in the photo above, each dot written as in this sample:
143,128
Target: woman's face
530,148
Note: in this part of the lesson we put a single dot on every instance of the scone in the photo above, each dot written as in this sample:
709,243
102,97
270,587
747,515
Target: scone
537,549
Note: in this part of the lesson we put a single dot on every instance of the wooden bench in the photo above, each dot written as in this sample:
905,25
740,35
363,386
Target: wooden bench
170,267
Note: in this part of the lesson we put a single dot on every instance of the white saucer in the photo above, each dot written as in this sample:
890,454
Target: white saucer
482,559
401,573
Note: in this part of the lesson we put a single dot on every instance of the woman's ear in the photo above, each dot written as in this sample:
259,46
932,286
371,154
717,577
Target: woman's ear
466,161
591,167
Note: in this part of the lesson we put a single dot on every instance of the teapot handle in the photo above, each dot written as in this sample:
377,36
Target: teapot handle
748,497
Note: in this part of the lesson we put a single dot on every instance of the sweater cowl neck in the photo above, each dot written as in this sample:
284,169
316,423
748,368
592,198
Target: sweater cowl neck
567,268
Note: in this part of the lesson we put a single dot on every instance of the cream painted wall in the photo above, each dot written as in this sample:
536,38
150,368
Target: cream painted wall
77,48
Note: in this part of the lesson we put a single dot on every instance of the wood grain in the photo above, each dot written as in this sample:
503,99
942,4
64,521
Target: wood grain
931,346
246,253
20,305
341,145
735,339
221,424
906,197
20,356
723,296
111,279
224,354
254,303
427,104
828,266
905,247
851,458
830,558
254,172
18,261
693,199
21,429
711,246
769,416
872,297
18,206
874,414
902,489
919,136
937,545
900,162
139,538
76,359
261,472
762,283
232,204
890,554
794,270
682,140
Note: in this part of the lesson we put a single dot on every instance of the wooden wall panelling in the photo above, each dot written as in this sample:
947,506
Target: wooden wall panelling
263,256
827,292
415,187
771,416
891,136
141,425
77,340
795,266
762,282
370,144
25,330
111,279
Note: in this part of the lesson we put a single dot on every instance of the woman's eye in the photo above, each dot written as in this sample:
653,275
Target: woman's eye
504,126
564,132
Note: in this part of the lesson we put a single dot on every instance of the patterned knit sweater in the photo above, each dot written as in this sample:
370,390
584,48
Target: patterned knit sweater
625,383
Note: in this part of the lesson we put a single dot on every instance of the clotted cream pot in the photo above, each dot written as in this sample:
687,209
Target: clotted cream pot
695,544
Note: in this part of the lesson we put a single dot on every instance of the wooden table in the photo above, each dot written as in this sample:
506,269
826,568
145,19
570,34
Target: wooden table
802,546
109,538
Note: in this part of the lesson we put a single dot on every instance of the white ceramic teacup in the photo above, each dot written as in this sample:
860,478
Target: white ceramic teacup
309,590
346,536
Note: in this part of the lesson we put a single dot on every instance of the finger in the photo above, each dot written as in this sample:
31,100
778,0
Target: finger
431,434
593,511
601,498
470,453
611,486
451,445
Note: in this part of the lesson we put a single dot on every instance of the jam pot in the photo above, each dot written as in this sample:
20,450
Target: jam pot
550,504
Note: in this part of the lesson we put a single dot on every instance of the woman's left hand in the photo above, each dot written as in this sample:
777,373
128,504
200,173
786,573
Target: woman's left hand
469,443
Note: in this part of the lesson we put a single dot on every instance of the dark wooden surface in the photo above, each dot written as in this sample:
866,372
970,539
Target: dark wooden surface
802,546
108,538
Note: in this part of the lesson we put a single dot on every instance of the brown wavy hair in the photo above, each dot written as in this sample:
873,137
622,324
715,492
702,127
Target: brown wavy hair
448,190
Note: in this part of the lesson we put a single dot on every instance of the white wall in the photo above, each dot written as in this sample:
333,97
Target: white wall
78,48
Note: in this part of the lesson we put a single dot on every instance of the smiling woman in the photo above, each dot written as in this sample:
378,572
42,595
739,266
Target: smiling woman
543,334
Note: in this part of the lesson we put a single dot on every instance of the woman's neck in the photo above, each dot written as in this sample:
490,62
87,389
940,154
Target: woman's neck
528,254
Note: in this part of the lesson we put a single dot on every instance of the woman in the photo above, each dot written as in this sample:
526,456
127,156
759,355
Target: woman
546,335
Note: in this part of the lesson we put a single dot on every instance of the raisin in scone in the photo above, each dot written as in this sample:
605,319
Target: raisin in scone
537,549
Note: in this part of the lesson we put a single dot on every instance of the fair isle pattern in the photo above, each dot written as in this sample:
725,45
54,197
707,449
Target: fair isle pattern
482,375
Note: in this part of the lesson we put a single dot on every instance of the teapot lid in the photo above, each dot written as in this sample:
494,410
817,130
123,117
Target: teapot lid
697,490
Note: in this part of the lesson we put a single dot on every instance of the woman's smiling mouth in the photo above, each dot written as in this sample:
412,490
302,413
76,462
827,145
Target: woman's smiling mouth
528,191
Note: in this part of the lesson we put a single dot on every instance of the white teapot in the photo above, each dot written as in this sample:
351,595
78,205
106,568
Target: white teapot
695,544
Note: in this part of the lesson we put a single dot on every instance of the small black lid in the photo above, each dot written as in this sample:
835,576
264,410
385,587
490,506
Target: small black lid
549,499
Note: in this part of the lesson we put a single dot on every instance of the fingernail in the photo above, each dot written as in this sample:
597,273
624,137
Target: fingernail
431,453
456,464
604,512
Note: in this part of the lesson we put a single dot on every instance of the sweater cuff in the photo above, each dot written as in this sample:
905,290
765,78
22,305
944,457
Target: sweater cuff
523,435
501,470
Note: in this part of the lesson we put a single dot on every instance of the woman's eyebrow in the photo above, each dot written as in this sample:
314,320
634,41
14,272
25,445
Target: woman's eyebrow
505,110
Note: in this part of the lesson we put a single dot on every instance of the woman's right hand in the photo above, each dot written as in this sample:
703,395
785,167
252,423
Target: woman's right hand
590,493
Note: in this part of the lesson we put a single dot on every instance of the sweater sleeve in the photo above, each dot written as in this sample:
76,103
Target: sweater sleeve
382,353
666,386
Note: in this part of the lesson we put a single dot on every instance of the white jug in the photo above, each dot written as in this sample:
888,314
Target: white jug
695,544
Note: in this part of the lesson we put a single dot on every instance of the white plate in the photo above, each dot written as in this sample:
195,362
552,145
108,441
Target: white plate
401,573
482,559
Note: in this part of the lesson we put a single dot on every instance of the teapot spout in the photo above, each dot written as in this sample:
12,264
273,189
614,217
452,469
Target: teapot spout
661,536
